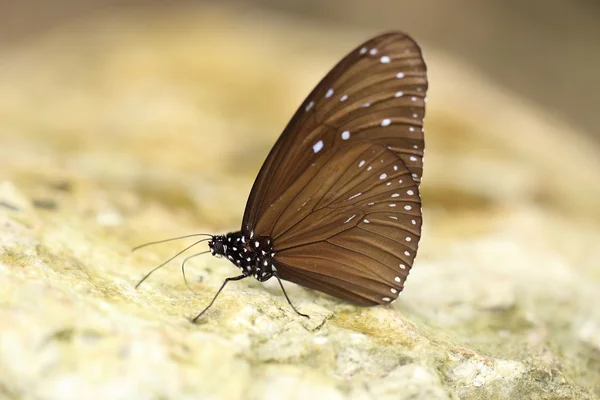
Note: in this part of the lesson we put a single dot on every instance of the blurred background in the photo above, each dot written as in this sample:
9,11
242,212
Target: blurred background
547,50
179,103
120,91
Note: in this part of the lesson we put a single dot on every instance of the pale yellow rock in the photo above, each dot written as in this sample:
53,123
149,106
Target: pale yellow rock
128,128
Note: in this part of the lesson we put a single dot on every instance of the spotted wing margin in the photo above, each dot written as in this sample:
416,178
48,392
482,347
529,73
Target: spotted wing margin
319,233
381,84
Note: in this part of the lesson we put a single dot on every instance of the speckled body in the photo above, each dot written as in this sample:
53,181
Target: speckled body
252,255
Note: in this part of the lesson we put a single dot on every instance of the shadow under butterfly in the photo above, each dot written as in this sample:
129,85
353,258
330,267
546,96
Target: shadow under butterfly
336,205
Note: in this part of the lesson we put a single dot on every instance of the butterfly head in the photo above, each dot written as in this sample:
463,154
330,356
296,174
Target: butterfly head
218,245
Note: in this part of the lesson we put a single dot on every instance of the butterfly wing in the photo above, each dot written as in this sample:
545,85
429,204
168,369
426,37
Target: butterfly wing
350,230
376,95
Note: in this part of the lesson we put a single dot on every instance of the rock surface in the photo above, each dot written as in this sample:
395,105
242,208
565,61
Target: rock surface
124,129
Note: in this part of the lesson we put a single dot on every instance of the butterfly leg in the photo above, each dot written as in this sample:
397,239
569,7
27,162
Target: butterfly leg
183,269
235,278
286,296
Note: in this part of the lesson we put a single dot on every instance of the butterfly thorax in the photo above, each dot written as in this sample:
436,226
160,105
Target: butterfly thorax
253,255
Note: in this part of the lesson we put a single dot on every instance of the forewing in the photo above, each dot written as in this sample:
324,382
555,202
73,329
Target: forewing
376,94
319,233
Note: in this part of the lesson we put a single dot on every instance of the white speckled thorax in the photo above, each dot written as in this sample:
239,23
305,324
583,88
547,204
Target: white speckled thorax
252,254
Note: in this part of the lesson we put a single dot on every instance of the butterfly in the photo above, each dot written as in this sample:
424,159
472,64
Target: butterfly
336,205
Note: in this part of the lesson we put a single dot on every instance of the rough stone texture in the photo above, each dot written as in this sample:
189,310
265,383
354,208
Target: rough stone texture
123,129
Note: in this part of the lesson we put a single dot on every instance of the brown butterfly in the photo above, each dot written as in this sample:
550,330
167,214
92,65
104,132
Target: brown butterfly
336,205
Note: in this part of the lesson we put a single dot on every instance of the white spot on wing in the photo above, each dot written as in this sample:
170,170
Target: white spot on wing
350,219
386,122
402,266
344,97
346,135
407,207
410,192
366,221
399,94
360,164
309,106
363,50
356,195
385,59
386,299
382,176
329,93
373,51
397,279
317,147
400,75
